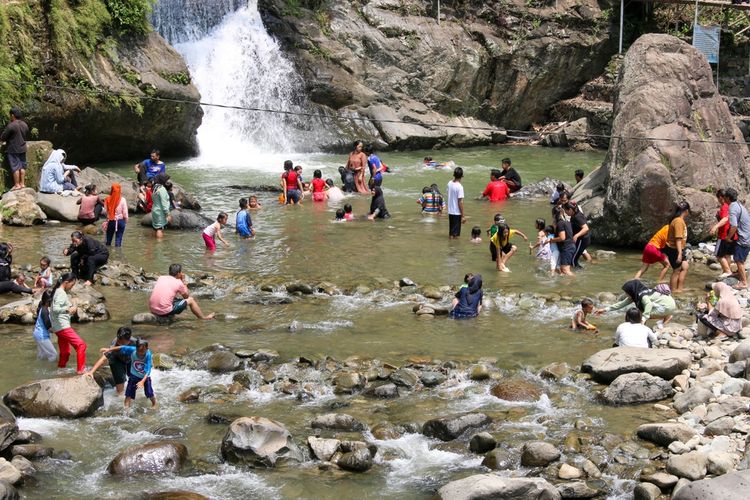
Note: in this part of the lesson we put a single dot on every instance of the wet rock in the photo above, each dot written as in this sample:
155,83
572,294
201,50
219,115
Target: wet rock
248,379
482,442
19,208
9,433
724,487
637,388
259,442
27,437
191,395
431,292
480,371
665,433
493,486
24,466
162,361
406,282
337,421
451,427
182,219
175,495
576,489
302,288
161,457
646,491
32,451
607,365
385,391
8,472
516,390
554,371
431,379
7,491
265,356
569,472
405,377
692,465
147,318
691,398
91,307
358,460
540,189
223,362
538,454
323,449
71,397
499,459
348,382
741,352
172,432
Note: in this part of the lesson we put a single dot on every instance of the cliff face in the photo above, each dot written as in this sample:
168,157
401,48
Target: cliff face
504,63
80,76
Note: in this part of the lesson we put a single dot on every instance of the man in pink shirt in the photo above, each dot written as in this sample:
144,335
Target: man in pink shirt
496,190
170,296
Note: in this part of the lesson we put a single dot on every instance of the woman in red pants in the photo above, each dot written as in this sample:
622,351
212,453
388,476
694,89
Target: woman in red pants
60,313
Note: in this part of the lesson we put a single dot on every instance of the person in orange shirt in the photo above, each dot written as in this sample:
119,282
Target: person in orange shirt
675,249
653,254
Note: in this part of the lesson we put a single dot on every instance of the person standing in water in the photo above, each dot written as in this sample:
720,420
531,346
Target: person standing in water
357,163
675,249
60,313
456,204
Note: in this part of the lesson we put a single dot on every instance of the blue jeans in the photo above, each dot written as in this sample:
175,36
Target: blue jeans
115,228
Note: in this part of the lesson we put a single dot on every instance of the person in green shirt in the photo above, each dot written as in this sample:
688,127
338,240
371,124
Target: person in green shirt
160,216
656,303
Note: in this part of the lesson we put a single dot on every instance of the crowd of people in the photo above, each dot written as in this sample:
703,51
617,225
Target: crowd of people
559,247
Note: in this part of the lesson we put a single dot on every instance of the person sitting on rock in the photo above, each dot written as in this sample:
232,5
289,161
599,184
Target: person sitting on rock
468,300
170,296
145,197
91,206
633,333
55,176
652,302
724,317
119,362
510,176
87,255
150,167
7,283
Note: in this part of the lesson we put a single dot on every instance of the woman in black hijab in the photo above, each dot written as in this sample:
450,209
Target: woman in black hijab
377,205
468,301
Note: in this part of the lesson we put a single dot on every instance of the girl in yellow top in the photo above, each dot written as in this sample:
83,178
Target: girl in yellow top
675,249
653,254
501,240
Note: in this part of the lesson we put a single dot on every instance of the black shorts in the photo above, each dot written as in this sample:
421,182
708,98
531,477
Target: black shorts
725,248
493,252
671,254
454,225
566,255
507,248
119,371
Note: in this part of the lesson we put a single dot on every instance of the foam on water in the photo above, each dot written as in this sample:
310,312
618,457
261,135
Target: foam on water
230,483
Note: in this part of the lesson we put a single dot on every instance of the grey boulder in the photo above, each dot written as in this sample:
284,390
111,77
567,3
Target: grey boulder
451,427
637,388
607,365
665,433
488,486
727,487
71,397
161,457
538,454
182,219
19,208
259,442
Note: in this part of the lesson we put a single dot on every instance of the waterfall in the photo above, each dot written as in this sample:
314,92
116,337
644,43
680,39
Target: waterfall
233,61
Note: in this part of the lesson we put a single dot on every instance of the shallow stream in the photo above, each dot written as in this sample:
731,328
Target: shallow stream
300,243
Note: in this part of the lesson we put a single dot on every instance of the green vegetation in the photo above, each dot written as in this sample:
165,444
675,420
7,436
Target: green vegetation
323,19
292,8
130,17
176,78
319,52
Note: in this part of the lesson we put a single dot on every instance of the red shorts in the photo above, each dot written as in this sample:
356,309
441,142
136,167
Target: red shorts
319,196
210,242
652,255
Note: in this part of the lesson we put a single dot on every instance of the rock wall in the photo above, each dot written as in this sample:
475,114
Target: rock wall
665,92
502,64
80,81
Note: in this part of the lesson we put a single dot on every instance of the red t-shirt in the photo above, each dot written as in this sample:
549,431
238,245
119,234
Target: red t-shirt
291,180
723,230
496,191
318,185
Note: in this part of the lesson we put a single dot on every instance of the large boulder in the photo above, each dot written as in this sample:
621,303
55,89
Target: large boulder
259,442
665,433
8,427
515,389
449,428
182,219
129,186
71,397
91,307
637,388
19,208
161,457
607,365
540,189
665,91
727,487
58,207
485,486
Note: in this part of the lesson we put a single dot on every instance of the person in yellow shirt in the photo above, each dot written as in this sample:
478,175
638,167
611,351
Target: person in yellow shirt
653,254
676,240
505,250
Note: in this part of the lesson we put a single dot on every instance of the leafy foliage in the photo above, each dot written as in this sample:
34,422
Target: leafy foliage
130,17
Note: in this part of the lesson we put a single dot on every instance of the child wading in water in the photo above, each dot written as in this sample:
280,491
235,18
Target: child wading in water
44,278
214,231
476,235
140,370
45,348
318,186
579,321
503,246
243,221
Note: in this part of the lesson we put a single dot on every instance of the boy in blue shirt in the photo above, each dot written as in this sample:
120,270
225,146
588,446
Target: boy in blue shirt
243,222
140,370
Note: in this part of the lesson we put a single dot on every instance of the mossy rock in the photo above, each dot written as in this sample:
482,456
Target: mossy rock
38,152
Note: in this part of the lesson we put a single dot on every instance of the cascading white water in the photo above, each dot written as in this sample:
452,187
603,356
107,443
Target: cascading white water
235,63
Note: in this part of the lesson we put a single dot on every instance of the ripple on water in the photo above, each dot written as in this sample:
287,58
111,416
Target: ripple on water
229,483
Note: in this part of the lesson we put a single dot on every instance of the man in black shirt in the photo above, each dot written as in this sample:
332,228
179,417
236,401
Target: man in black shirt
86,256
15,135
512,179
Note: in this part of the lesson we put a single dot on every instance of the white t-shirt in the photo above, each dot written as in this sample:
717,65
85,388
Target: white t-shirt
335,194
455,193
634,335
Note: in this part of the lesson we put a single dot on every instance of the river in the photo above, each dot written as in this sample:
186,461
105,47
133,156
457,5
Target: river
300,243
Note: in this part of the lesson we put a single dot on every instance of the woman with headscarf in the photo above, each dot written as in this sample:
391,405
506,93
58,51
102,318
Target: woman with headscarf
468,300
117,215
160,216
377,205
54,177
357,163
723,319
654,303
